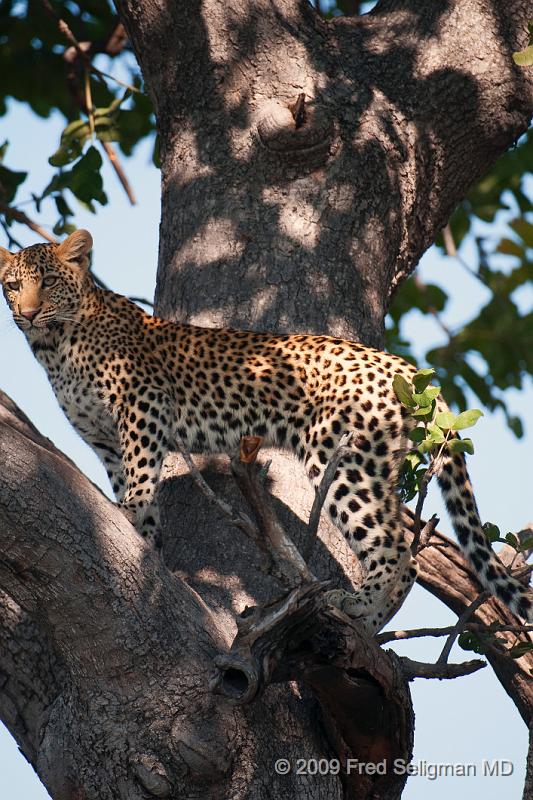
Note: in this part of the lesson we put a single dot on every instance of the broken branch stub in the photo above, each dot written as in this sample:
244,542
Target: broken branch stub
296,131
287,562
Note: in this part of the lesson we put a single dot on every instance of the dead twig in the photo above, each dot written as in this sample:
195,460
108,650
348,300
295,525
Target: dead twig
281,548
119,170
237,518
65,31
426,533
460,625
19,216
417,633
422,494
418,669
82,51
343,449
284,561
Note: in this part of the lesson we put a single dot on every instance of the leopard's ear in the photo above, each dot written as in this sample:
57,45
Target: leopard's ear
76,248
5,262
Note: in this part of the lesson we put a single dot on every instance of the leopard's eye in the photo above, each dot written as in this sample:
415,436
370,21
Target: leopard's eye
13,286
49,280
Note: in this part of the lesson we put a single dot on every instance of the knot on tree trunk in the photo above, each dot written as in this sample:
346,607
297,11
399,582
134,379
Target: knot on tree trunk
296,130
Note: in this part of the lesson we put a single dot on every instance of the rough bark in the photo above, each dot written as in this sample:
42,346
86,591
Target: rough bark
128,704
254,237
267,222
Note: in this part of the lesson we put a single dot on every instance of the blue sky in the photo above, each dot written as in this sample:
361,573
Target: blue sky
466,720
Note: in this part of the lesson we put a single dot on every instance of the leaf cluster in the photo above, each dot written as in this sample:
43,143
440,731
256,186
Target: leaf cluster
500,335
434,432
36,71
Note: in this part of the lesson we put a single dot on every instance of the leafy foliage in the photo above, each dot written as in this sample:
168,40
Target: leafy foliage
435,431
500,335
42,68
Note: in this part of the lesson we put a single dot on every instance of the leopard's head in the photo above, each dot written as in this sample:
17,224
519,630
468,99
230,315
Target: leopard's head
45,284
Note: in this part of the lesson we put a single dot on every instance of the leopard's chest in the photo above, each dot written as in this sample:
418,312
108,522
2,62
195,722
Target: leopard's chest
78,381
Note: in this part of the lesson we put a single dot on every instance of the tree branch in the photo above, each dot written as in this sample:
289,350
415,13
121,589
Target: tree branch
417,669
19,216
460,625
444,572
65,575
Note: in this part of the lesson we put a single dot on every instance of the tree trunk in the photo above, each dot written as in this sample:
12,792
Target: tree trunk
279,212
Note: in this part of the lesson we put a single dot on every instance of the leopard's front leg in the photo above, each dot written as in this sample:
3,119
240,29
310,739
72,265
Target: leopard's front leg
144,435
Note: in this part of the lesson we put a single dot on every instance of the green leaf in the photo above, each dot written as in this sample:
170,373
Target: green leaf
526,544
62,227
83,180
470,641
465,640
426,397
114,106
71,145
417,435
520,649
425,413
491,531
512,541
422,378
426,446
524,58
524,229
413,459
515,424
467,419
62,206
461,446
9,179
403,391
510,248
420,476
436,434
9,183
445,420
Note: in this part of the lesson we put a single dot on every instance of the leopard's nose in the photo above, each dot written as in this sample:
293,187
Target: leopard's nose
29,313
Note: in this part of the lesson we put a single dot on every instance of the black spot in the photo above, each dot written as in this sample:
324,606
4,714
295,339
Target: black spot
353,476
382,449
377,490
341,491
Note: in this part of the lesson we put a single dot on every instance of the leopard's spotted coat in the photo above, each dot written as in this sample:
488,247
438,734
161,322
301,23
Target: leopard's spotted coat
128,382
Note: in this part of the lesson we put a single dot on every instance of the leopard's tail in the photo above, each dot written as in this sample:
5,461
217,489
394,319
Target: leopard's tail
459,498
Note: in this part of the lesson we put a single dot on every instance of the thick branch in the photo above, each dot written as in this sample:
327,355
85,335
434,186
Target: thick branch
31,676
87,577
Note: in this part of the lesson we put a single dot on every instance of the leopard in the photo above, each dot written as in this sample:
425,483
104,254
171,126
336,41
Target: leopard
133,385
